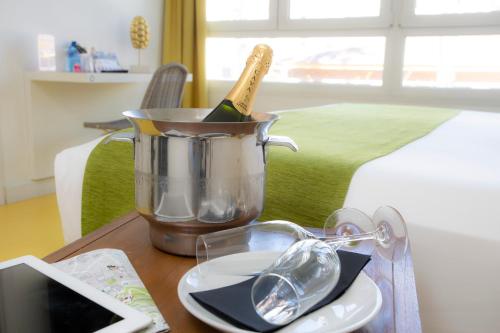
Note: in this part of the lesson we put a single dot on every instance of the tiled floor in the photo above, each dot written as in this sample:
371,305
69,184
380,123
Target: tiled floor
30,227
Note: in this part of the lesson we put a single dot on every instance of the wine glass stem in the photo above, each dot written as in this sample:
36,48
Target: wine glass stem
338,241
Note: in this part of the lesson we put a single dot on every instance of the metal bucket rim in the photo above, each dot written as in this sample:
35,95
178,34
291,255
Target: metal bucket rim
161,115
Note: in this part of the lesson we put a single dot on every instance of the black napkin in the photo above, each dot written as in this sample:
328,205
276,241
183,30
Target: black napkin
234,303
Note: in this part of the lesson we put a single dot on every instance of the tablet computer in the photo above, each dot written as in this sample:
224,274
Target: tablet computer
36,297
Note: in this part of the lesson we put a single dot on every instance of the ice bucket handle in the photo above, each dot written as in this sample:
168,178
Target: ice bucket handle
283,141
120,137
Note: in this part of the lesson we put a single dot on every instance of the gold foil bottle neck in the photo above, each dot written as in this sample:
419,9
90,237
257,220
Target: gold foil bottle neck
243,92
262,54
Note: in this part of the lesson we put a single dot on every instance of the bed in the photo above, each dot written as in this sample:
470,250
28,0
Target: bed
446,185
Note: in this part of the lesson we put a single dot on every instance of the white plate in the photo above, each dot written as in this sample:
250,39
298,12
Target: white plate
357,306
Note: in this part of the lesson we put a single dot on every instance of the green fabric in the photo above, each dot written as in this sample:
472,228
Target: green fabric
304,187
108,185
334,141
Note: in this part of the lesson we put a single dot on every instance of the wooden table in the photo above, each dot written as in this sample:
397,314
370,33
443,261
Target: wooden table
161,273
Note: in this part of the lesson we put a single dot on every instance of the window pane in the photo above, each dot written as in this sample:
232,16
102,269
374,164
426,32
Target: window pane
321,9
436,7
237,10
352,60
452,61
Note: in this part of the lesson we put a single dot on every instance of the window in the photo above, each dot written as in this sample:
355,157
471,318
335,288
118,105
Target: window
395,45
237,10
353,60
309,58
451,13
452,61
437,7
325,9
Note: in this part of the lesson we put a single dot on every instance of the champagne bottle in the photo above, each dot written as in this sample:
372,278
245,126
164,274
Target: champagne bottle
237,105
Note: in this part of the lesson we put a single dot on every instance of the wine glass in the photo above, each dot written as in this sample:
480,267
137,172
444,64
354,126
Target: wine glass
306,271
346,227
303,275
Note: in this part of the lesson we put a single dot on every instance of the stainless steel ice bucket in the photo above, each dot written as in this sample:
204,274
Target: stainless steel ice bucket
193,177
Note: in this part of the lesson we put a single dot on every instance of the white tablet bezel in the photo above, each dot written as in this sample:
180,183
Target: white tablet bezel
133,320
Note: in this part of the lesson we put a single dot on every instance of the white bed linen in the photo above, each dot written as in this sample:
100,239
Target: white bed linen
446,185
69,169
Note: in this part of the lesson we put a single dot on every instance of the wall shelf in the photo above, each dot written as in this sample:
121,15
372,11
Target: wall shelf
89,77
74,98
57,104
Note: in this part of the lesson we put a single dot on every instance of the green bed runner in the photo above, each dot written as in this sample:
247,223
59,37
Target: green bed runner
303,187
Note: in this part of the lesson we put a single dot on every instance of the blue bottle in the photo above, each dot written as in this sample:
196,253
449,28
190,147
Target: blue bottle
73,58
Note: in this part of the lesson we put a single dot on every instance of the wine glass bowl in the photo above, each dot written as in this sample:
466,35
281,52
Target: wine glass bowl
298,279
262,236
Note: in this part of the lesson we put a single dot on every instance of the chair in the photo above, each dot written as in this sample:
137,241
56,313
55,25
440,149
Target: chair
164,91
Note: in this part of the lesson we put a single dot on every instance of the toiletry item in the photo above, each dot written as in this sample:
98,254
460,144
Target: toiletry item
87,63
73,60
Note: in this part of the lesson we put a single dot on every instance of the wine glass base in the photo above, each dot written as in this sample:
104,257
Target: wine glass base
392,242
347,222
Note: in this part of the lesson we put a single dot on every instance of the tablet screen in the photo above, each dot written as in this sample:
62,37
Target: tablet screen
33,302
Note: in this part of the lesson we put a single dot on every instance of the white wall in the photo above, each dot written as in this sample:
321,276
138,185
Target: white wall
103,24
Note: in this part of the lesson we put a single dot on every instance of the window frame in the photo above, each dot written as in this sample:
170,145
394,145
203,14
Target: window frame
412,20
384,19
400,26
247,25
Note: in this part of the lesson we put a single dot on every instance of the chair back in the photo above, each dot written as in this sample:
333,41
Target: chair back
166,87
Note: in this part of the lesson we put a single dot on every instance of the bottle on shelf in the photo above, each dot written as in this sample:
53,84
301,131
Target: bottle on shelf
73,58
237,105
